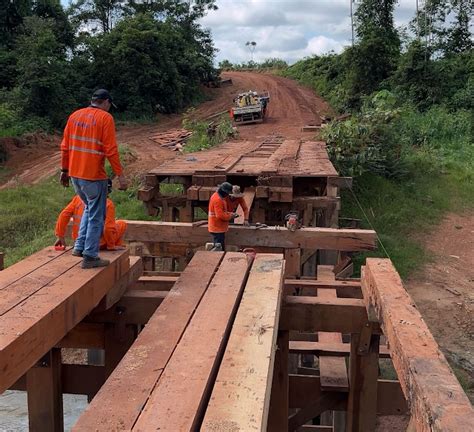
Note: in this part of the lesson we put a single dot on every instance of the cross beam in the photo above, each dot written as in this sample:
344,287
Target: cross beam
275,236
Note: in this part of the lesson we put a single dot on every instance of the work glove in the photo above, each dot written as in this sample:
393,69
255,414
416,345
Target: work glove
123,184
61,241
64,179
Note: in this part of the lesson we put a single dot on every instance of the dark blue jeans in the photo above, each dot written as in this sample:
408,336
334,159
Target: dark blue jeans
94,196
219,238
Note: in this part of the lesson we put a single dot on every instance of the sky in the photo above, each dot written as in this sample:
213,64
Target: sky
287,29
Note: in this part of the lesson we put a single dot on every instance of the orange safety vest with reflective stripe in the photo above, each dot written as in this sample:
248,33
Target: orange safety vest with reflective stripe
219,214
113,229
89,138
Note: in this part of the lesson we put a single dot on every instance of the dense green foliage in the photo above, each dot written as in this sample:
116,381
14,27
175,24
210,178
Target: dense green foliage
409,139
151,56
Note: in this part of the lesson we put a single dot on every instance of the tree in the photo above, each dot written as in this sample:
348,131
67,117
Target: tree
42,72
443,37
375,56
52,9
98,15
149,65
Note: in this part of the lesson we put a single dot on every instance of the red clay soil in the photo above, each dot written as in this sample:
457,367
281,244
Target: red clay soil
291,107
444,293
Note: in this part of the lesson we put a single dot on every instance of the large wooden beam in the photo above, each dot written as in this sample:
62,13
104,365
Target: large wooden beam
154,283
312,314
135,307
134,379
37,324
333,371
180,397
279,403
304,238
303,389
84,335
75,379
321,349
436,399
241,396
344,289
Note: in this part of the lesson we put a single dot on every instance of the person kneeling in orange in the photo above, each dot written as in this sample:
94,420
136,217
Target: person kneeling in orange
235,199
220,214
113,229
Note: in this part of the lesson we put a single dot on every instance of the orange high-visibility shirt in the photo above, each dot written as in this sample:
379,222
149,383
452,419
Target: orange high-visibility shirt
89,138
219,214
233,204
73,211
113,229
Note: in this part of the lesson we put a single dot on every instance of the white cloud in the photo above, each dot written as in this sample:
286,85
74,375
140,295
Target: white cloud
288,29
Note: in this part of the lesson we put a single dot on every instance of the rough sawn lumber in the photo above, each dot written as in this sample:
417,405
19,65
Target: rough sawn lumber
241,395
134,379
436,399
179,399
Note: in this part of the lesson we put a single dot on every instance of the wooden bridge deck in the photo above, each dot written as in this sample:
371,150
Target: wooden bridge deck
41,299
215,354
273,155
166,379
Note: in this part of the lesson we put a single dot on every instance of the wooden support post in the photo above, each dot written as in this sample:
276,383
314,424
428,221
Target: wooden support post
118,339
363,369
45,399
258,212
292,263
279,404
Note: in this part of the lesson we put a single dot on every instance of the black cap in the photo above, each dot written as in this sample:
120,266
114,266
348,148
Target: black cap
103,95
226,187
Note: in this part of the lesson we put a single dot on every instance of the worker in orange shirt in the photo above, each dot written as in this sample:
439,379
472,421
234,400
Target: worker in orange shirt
235,199
113,230
89,138
220,214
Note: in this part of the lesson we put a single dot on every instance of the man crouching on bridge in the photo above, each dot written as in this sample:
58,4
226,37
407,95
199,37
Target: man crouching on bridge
220,215
89,138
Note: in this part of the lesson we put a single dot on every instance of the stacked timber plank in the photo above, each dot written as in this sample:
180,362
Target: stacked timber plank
198,347
172,139
42,298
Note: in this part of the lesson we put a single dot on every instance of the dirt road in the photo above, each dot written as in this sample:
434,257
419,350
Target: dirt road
291,106
444,292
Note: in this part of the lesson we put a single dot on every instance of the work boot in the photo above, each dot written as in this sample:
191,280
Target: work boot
89,262
76,253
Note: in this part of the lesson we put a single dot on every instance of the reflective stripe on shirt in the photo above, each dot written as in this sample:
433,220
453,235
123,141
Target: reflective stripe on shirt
84,150
87,139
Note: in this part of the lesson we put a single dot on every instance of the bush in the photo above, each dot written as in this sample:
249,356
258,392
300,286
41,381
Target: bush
368,141
205,135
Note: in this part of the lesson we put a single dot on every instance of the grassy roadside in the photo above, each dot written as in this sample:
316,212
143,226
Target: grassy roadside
28,215
401,212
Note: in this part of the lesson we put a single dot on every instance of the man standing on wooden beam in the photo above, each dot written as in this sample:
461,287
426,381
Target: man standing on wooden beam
89,138
219,215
